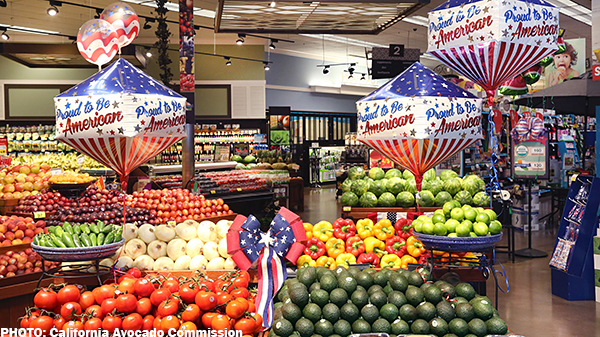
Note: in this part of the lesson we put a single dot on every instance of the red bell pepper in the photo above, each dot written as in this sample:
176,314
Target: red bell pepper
423,258
355,245
403,228
315,248
396,245
370,258
344,228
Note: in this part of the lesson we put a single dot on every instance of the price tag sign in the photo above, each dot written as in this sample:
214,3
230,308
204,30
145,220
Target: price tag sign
171,223
55,171
239,189
346,209
39,215
80,160
212,192
530,158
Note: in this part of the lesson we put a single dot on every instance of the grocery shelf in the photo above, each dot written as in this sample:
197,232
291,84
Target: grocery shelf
164,169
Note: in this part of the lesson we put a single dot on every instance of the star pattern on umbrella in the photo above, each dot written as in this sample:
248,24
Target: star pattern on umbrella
115,104
505,33
408,107
137,128
470,38
463,134
77,101
99,131
486,9
68,105
112,132
61,125
433,124
404,134
413,132
121,130
538,42
143,122
428,130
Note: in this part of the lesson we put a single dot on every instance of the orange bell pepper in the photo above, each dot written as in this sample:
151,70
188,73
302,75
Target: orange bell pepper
414,247
405,260
384,229
335,247
327,262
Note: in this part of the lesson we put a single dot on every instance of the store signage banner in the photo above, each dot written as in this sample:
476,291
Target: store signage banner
492,41
418,119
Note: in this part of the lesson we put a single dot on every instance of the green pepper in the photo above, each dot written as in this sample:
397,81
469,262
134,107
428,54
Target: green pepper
109,238
52,229
77,229
67,239
101,237
100,225
67,227
85,240
57,242
94,239
94,228
36,240
58,231
47,241
76,241
119,234
107,229
85,228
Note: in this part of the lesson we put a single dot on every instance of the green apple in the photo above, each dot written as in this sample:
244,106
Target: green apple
438,218
466,207
471,215
480,228
417,226
493,216
428,228
483,217
451,225
448,208
422,217
457,214
462,230
473,235
439,229
439,211
469,224
495,227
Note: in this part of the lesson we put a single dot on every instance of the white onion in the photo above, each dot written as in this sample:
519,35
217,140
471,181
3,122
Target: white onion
107,262
124,261
146,233
216,264
206,231
157,249
176,248
186,231
182,263
116,255
163,263
222,227
192,222
229,264
135,248
223,248
198,262
144,262
165,233
194,247
210,250
130,231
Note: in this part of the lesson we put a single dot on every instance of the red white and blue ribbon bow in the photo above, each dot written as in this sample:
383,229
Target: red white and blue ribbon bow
248,245
528,128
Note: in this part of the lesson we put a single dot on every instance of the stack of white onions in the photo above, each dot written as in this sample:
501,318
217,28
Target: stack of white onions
188,246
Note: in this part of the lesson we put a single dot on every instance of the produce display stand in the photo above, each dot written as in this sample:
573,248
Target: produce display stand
362,212
7,205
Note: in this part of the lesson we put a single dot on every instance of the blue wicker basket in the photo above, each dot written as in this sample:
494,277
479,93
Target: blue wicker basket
77,254
458,244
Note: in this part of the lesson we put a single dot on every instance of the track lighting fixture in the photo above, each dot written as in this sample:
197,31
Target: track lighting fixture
240,40
53,10
363,77
272,45
98,13
228,63
147,23
267,68
272,4
351,69
4,36
2,3
326,70
148,52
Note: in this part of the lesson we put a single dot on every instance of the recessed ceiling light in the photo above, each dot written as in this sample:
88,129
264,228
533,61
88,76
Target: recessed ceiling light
52,11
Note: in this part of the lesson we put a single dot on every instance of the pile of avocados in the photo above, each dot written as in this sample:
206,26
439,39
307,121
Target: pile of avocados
337,303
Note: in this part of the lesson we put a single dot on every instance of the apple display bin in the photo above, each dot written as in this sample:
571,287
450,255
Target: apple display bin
458,244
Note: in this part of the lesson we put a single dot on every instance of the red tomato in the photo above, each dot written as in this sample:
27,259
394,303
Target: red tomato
112,323
126,303
86,300
144,306
246,325
251,306
127,285
242,280
69,293
103,292
133,322
245,303
108,305
221,322
188,292
235,309
94,311
156,323
46,299
71,326
223,298
172,285
191,313
45,323
58,322
240,292
258,320
143,287
135,272
207,286
169,322
124,277
159,295
226,286
148,323
70,309
207,319
168,307
24,322
93,324
206,301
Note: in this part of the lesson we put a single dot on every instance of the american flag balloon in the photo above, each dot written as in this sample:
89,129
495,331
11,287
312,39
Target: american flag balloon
419,119
120,116
97,41
491,41
125,21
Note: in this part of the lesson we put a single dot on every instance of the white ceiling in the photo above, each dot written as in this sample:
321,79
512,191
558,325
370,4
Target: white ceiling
32,13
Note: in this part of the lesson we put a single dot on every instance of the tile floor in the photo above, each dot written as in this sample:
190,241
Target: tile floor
529,308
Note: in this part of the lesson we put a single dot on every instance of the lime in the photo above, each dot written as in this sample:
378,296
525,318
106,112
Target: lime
422,218
462,230
438,218
439,229
466,207
448,207
428,228
493,216
457,214
471,214
452,235
483,217
439,211
495,227
473,235
417,226
469,223
451,225
480,228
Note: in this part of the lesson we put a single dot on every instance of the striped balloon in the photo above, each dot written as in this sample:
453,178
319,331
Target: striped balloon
125,21
97,41
122,154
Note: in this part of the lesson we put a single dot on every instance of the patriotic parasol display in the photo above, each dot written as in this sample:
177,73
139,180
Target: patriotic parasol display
120,116
491,41
248,246
419,119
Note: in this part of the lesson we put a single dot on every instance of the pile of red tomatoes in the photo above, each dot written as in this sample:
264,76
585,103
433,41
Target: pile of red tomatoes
154,302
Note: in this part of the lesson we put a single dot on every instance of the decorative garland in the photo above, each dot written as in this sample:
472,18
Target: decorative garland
163,34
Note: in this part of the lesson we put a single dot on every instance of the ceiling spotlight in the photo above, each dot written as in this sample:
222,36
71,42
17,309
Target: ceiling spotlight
326,70
272,45
272,4
147,24
148,52
2,3
52,11
267,68
98,13
228,63
240,40
5,36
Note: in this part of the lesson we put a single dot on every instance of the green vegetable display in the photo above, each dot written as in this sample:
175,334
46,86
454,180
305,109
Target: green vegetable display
80,236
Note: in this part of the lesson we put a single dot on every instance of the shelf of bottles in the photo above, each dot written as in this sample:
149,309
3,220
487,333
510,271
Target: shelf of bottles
205,143
306,126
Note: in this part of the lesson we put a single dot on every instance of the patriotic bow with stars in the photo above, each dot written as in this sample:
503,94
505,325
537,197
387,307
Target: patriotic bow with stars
248,244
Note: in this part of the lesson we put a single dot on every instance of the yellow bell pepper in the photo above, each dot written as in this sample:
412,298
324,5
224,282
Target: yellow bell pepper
373,245
345,260
323,230
364,228
384,229
305,261
469,259
308,228
335,247
327,262
438,252
390,261
405,260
